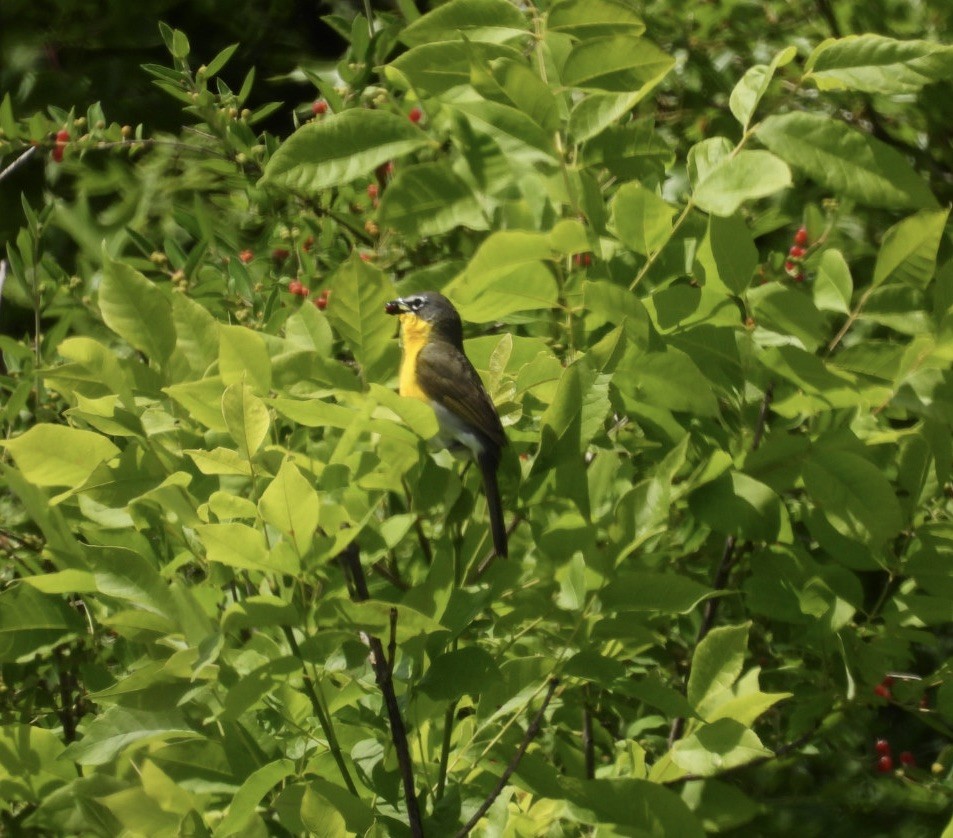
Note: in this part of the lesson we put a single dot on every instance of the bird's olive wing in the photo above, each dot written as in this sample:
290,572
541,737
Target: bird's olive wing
446,375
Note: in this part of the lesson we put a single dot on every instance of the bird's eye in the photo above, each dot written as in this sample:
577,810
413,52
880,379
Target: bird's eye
416,303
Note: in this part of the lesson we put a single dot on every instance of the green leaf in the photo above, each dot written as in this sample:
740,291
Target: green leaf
594,18
243,358
136,310
506,275
435,68
341,148
875,64
30,768
246,418
518,137
452,675
616,64
633,151
619,306
429,199
290,504
645,591
321,818
250,794
357,314
242,547
31,621
202,401
639,806
99,363
854,496
57,455
716,665
753,85
833,285
668,379
643,221
721,806
783,309
720,746
727,256
845,160
736,504
128,576
515,84
476,20
196,333
599,111
744,177
117,728
909,249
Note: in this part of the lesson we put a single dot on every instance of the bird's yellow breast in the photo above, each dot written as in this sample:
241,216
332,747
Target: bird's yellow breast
414,334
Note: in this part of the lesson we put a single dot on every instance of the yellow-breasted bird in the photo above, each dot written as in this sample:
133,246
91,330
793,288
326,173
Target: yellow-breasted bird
435,370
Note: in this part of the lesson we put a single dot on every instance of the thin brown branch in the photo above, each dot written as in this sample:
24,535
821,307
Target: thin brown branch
729,556
319,710
351,559
531,732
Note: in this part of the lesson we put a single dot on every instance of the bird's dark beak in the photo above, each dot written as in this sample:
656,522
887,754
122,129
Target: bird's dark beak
398,306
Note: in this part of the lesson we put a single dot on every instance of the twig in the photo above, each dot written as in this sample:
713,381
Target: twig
448,718
528,737
728,557
351,559
392,643
9,170
323,718
67,705
588,746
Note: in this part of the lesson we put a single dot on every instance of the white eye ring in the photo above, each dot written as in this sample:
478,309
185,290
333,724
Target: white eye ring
416,303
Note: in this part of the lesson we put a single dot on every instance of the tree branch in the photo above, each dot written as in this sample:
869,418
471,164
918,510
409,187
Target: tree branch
351,559
528,737
728,557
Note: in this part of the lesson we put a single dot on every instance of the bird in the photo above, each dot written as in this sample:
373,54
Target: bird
435,370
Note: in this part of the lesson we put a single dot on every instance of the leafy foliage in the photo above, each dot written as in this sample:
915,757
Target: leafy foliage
709,285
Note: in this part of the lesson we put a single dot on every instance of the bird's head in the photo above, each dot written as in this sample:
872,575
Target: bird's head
428,312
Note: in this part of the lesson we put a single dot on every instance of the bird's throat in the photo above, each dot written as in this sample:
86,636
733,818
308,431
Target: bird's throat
414,334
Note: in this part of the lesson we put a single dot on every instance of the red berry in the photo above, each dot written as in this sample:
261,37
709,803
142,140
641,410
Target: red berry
790,267
294,287
321,302
887,681
62,136
884,764
800,237
415,114
366,257
372,190
279,254
319,107
883,691
582,260
906,758
796,251
246,256
57,153
882,746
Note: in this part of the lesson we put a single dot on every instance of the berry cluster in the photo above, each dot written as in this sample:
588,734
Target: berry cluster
885,757
792,265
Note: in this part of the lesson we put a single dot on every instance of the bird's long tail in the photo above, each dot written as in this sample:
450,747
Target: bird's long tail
488,466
